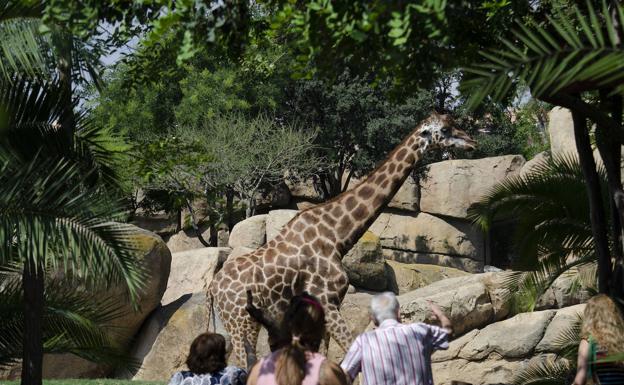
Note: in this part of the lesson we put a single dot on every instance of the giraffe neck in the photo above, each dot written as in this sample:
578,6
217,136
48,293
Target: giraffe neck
363,204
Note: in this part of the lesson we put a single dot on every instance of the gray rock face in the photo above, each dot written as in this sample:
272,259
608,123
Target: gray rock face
528,330
164,341
466,301
530,165
561,131
249,233
157,259
365,265
427,234
276,220
456,262
186,240
192,271
451,187
405,277
498,352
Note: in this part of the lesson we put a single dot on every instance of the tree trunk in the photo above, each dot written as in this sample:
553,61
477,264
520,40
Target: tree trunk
32,358
229,208
251,207
194,224
597,215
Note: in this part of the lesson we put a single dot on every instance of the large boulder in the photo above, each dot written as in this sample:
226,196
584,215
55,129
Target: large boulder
187,240
466,300
364,264
531,165
249,233
499,351
564,291
405,277
406,198
276,220
427,239
451,187
157,261
561,131
192,271
163,343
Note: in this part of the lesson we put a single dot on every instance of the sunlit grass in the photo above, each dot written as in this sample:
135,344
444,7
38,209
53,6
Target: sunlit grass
91,382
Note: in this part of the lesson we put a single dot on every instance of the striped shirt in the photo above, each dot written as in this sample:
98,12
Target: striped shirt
395,353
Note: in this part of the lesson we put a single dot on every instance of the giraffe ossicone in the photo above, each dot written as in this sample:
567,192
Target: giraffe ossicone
306,254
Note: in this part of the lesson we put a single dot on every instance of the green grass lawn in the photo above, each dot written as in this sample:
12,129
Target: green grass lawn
91,382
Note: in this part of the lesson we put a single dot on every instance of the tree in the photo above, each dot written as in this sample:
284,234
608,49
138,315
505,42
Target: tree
411,43
357,124
53,210
563,63
251,153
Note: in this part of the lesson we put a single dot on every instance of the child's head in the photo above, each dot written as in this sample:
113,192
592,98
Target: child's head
603,321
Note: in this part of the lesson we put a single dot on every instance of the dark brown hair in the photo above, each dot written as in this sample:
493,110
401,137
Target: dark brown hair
207,354
304,322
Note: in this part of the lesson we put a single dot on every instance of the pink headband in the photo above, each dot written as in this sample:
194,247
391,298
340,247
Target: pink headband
313,303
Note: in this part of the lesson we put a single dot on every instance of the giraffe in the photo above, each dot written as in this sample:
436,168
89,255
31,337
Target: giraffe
307,253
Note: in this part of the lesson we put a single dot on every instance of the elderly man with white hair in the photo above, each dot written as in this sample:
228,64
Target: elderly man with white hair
396,353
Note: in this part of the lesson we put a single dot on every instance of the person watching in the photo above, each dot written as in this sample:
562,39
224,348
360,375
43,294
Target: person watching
396,353
297,361
206,364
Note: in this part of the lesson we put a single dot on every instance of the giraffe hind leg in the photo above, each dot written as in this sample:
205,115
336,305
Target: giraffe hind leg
338,327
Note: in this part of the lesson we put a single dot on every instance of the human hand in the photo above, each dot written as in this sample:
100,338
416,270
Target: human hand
436,311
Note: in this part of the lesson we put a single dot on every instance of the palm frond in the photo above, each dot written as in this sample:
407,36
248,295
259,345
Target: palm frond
567,341
548,205
74,322
563,55
50,215
21,48
35,112
544,372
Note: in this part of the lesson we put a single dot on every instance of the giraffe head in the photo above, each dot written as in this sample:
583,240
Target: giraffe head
439,130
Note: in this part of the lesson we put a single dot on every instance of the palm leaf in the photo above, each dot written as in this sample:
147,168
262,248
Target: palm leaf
74,322
553,230
563,55
21,48
544,372
35,112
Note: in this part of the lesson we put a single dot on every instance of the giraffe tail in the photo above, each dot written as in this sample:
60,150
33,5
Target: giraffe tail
213,316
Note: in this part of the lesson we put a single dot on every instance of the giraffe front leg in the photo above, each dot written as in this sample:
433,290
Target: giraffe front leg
337,327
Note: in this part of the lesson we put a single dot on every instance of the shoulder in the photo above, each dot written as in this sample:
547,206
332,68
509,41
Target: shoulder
233,375
332,374
179,377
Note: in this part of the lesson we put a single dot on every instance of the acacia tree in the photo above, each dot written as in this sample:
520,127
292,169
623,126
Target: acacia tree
248,154
575,62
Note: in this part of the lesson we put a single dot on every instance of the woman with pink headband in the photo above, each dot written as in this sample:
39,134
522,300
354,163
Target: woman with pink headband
298,361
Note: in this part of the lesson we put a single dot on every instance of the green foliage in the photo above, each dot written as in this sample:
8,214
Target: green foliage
357,124
250,153
56,213
567,55
531,121
73,321
408,42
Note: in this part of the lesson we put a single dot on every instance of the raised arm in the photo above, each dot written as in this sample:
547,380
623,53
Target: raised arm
582,363
438,314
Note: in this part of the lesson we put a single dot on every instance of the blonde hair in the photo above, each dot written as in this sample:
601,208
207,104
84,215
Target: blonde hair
603,321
